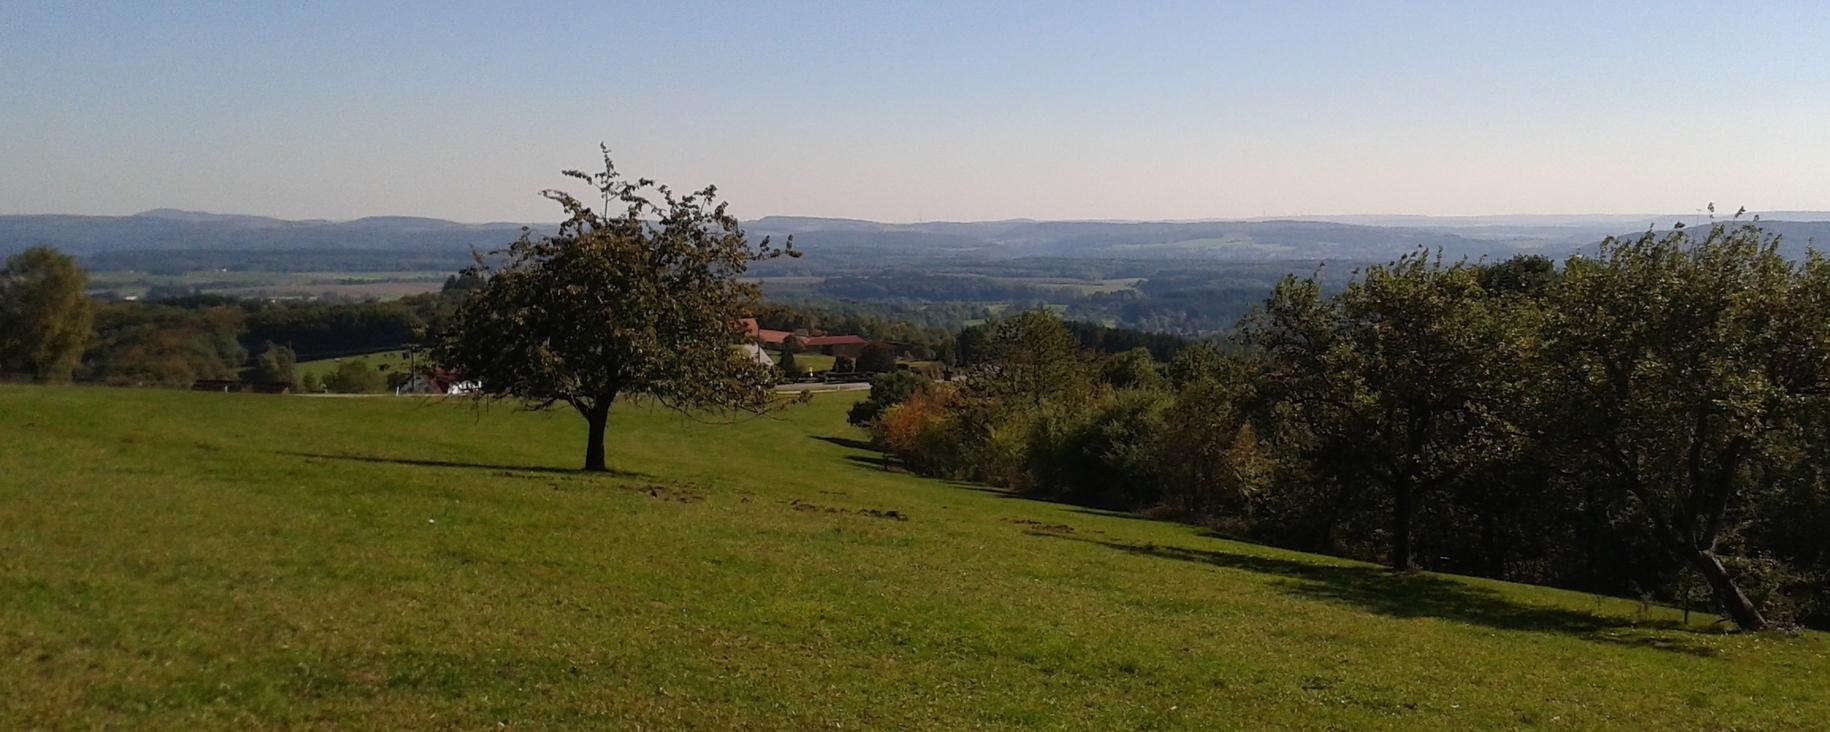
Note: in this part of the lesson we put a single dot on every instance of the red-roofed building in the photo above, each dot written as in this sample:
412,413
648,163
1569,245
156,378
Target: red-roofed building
763,335
848,346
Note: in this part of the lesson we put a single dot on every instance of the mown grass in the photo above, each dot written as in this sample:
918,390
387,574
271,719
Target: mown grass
181,560
808,361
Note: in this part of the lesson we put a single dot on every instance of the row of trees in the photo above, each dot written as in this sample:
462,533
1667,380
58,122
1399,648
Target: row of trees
1648,418
50,330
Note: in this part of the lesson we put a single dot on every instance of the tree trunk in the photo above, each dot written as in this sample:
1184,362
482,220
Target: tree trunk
1726,592
1491,537
598,415
1402,509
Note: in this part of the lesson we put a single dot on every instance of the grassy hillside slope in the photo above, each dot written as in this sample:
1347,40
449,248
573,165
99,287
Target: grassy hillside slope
182,560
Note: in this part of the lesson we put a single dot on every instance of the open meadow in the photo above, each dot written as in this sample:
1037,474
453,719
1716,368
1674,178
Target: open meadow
394,360
264,284
184,560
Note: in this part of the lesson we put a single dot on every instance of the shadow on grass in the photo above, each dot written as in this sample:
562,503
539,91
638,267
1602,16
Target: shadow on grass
874,463
613,473
1071,505
1366,587
1418,595
847,442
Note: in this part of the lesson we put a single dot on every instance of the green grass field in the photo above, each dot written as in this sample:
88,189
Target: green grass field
180,560
808,361
322,367
379,285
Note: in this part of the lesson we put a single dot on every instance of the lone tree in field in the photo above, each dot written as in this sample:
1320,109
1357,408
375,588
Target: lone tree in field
639,299
45,316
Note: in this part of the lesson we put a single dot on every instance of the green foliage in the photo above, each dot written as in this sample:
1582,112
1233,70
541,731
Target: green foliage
44,315
787,364
1097,455
887,390
1387,381
273,365
972,346
355,376
875,358
1031,359
1201,362
1530,275
1676,370
642,299
328,329
1133,369
1206,456
1643,418
156,344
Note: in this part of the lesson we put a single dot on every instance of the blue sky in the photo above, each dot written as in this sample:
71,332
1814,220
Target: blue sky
918,111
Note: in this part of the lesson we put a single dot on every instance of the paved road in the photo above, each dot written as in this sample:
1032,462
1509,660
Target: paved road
789,388
859,386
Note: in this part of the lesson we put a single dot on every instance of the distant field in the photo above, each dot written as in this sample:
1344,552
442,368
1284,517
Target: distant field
382,285
378,290
1080,287
810,285
394,360
178,560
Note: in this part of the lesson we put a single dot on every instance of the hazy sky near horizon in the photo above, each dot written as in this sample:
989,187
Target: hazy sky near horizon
920,110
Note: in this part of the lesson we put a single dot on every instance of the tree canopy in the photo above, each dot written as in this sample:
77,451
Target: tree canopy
639,299
44,314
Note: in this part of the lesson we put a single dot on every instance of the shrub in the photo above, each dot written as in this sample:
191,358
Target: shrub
1133,369
876,357
354,376
917,432
1207,455
1100,454
888,390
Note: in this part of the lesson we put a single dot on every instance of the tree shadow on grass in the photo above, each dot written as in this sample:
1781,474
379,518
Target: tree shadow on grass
1071,505
613,473
847,442
1418,595
874,463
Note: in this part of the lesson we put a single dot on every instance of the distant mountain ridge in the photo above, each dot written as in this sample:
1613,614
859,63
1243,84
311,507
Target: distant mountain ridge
175,229
1352,238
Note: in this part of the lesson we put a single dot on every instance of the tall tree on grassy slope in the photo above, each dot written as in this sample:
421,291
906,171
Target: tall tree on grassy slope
1390,380
1031,358
45,317
1679,370
640,299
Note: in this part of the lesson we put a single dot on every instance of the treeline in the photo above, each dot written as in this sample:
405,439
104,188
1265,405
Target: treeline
1650,421
940,333
51,331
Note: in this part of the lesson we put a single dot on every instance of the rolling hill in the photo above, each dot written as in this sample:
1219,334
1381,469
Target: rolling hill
183,560
217,241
